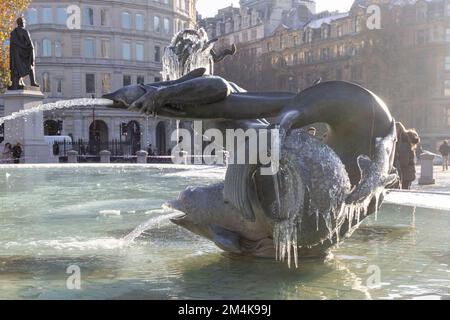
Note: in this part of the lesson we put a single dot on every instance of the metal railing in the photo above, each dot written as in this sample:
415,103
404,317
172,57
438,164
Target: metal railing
92,148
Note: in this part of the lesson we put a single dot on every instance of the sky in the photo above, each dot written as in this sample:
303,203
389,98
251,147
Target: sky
208,8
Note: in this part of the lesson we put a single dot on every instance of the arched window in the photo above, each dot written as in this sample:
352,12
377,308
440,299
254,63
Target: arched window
126,20
32,16
161,138
58,49
46,48
46,82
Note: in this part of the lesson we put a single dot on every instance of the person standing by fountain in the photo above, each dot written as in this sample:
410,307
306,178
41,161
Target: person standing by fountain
407,145
17,152
21,56
444,149
7,153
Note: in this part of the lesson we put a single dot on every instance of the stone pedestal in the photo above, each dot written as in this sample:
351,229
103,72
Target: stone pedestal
427,172
142,156
72,156
105,156
28,130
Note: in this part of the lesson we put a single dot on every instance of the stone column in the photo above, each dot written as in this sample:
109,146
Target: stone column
28,130
142,157
427,172
72,156
105,156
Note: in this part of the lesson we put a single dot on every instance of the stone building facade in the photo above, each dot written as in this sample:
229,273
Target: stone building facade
406,62
118,43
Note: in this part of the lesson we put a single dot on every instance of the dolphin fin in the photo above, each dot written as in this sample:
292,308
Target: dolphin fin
226,240
390,179
364,163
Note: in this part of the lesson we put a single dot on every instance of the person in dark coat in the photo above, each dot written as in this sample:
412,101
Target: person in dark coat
21,56
17,152
445,152
407,157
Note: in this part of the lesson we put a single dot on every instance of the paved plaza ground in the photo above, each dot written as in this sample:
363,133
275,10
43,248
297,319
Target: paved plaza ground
442,181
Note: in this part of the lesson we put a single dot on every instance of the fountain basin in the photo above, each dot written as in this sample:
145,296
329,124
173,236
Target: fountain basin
51,219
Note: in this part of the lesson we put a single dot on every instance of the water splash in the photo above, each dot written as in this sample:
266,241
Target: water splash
149,224
64,104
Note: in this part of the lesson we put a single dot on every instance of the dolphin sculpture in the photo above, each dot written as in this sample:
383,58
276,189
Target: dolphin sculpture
322,191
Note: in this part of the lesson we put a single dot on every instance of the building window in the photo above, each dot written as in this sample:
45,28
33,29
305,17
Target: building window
126,51
59,85
140,52
447,63
46,82
88,16
47,15
140,80
89,48
126,80
2,132
156,24
90,83
356,73
103,17
325,31
58,49
447,88
166,25
61,16
447,35
157,54
358,24
157,79
106,83
448,116
422,36
126,20
105,49
140,22
46,48
32,16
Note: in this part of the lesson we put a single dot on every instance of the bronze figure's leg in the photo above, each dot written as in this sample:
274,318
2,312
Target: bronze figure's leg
33,78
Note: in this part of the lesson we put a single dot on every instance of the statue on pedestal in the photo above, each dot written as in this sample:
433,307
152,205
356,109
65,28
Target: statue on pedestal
21,57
